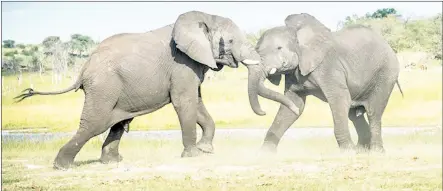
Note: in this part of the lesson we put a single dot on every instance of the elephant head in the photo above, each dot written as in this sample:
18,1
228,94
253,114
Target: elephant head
212,40
300,45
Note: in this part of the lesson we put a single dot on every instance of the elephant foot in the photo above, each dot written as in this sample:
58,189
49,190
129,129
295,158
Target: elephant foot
268,149
62,164
205,147
111,158
191,152
377,149
362,148
348,148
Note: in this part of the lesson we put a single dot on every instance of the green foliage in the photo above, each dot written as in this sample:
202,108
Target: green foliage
404,34
8,44
11,53
49,43
383,13
50,40
254,37
80,44
52,52
21,46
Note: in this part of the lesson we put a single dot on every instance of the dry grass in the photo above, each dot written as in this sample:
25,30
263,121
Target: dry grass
413,162
226,99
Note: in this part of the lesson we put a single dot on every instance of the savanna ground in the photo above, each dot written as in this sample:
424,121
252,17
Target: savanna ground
412,162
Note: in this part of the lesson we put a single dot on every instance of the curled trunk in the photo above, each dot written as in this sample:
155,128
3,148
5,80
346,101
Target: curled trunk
256,87
254,78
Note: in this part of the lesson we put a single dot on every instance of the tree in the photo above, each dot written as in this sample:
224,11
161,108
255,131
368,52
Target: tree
8,44
49,44
21,46
55,48
80,44
383,13
424,35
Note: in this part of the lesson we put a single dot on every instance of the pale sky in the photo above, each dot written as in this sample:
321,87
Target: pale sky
31,22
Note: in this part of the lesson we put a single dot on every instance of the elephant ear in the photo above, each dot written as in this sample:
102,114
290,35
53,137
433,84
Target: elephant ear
275,79
314,51
191,35
314,39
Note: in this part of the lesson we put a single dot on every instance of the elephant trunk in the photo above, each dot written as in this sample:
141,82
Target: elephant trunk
256,78
245,52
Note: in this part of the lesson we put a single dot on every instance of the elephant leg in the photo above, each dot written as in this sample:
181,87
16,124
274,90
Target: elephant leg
110,146
92,123
340,102
185,100
282,121
375,112
362,128
208,127
95,116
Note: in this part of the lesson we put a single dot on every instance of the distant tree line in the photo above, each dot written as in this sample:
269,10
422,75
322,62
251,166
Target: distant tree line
403,34
51,55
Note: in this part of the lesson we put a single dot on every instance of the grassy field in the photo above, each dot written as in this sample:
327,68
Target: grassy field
226,100
413,161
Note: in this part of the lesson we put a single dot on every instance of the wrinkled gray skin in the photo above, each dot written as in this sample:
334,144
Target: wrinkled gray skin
354,70
129,75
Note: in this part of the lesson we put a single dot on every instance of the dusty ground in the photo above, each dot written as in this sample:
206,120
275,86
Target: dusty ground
413,162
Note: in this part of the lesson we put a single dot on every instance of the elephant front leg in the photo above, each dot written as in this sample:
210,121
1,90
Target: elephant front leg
185,104
208,127
339,103
110,146
283,120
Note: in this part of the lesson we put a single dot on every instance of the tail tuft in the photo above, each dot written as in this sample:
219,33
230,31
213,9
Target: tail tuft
21,97
401,91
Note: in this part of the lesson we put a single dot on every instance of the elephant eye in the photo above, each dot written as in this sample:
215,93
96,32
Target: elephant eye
279,48
230,41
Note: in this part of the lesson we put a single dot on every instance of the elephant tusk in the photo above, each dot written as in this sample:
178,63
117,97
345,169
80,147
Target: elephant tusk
250,62
273,70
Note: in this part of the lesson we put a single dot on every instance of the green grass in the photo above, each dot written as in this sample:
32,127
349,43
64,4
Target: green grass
412,162
226,100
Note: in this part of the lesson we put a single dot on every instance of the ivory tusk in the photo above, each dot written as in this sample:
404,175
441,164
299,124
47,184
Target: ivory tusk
273,70
250,62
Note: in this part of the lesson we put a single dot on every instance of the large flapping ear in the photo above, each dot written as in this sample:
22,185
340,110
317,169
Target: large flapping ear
314,39
191,34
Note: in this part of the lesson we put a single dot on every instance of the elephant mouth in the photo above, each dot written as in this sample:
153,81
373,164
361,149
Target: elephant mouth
227,60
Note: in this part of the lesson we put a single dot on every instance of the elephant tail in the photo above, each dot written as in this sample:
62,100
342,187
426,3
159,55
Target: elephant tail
30,92
401,91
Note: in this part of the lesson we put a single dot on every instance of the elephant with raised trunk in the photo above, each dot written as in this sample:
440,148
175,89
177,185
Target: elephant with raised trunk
133,74
354,70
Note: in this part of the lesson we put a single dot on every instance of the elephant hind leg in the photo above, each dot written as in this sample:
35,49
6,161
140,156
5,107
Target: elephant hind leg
361,126
110,146
375,110
94,121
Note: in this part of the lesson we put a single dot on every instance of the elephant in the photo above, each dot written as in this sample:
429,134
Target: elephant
354,70
133,74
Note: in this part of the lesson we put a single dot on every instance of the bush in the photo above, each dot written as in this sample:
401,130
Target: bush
422,35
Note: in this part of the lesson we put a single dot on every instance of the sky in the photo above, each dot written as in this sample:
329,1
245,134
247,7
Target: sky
31,22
